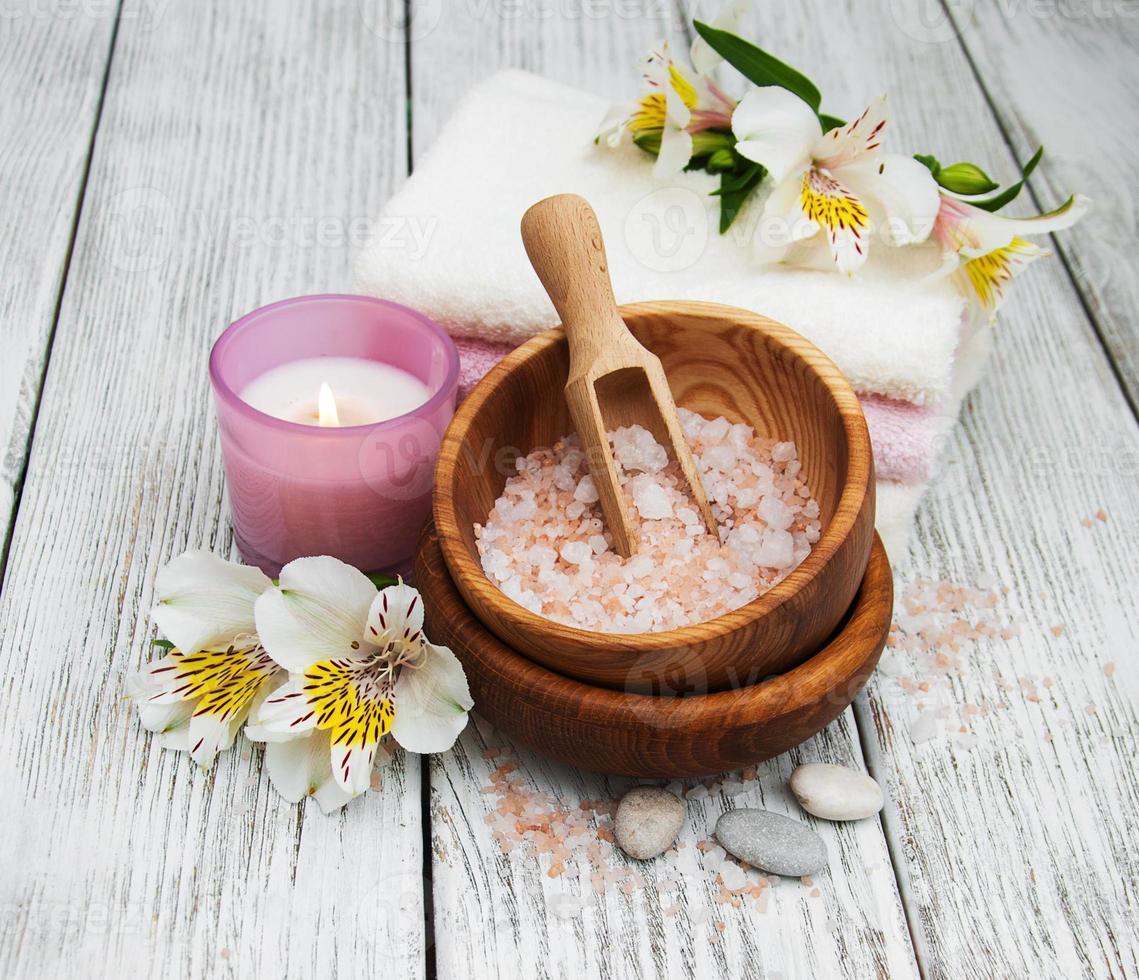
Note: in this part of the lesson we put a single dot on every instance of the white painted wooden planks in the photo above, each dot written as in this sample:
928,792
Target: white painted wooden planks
51,76
595,45
493,918
500,913
237,147
1066,76
1017,847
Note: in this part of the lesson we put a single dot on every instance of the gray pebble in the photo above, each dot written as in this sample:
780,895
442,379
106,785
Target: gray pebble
647,822
771,842
835,792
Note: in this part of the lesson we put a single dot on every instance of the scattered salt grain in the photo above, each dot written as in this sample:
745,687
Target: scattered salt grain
586,492
925,726
565,906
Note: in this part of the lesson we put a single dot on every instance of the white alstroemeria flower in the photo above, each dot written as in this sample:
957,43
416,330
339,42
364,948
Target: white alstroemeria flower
198,696
360,668
986,251
680,104
832,190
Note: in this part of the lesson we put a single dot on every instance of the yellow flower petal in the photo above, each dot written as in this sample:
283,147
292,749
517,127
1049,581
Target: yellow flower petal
354,707
990,274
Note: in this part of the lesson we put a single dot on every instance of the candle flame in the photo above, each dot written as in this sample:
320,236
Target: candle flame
326,403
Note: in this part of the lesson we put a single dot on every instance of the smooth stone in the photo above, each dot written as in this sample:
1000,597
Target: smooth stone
647,822
771,842
835,792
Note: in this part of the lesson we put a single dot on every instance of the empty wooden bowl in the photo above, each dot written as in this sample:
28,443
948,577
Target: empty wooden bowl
642,735
719,361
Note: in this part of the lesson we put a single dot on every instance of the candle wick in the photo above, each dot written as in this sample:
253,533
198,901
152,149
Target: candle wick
326,405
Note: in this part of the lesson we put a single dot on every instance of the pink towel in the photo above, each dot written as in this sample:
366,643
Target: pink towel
904,436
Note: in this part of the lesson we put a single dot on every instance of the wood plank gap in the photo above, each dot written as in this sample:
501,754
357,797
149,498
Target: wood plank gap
1061,254
430,971
892,832
407,73
18,488
429,968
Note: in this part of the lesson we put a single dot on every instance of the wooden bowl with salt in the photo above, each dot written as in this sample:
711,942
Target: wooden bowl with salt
641,735
719,361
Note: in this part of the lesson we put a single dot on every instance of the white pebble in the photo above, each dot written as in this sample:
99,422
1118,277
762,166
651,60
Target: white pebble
836,792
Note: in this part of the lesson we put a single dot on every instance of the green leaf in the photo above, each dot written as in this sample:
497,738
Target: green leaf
165,644
1010,194
830,122
735,186
931,163
381,581
965,178
757,66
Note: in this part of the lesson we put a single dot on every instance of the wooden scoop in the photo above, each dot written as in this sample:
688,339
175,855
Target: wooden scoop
613,380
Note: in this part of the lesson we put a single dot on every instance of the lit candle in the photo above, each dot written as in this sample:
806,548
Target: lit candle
331,411
332,391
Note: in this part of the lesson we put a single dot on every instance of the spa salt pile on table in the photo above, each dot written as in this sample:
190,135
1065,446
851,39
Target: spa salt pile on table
545,546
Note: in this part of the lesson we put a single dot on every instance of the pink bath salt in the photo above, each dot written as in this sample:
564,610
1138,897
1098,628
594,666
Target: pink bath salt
545,544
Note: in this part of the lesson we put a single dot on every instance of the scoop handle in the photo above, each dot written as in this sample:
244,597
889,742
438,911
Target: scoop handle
563,239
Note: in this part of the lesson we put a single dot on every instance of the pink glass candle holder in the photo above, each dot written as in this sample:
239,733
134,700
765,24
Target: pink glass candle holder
360,493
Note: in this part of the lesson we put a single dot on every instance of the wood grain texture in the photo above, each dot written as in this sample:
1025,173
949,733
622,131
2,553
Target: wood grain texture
648,735
613,380
51,74
1012,849
718,361
1083,115
241,145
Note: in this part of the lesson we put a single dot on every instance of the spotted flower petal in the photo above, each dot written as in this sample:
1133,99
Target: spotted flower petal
208,694
396,616
843,218
354,703
989,274
285,714
855,141
204,601
319,611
